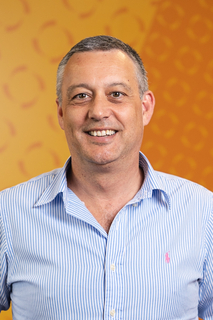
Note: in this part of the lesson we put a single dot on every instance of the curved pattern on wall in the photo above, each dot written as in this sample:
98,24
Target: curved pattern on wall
177,53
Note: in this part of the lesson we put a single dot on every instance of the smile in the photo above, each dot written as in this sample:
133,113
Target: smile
102,133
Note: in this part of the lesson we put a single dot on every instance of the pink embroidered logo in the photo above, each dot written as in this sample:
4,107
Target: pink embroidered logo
167,258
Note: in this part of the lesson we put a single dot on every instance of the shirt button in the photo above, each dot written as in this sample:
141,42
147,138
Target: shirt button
112,312
135,204
112,267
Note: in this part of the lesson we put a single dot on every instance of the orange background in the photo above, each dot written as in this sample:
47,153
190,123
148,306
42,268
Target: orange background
174,39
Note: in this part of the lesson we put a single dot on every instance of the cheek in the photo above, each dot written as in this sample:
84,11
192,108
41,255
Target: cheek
71,119
135,118
73,126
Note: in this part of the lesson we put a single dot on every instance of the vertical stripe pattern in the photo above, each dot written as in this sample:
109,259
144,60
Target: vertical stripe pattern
156,262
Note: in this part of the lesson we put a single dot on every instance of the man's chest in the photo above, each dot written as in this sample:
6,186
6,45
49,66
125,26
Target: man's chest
142,270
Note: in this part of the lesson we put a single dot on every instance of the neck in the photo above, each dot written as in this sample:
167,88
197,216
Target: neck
105,189
107,181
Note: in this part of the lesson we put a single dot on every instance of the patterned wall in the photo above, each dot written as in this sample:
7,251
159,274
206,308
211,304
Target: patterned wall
174,39
178,55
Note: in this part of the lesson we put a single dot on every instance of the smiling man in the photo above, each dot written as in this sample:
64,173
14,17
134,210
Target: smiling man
106,237
103,114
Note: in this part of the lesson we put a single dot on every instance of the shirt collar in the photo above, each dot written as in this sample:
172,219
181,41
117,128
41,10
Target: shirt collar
57,185
152,181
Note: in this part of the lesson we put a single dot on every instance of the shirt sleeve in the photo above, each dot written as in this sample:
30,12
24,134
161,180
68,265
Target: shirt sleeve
205,308
4,288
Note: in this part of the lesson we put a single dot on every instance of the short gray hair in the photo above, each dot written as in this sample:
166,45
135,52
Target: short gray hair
103,43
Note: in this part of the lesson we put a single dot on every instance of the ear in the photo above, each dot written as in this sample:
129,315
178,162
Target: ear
148,104
60,114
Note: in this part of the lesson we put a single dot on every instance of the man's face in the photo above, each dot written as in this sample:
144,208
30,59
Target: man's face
101,111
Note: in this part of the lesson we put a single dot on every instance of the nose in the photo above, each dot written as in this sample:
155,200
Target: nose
99,108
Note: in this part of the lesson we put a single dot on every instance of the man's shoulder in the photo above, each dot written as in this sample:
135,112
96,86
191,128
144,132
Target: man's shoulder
170,183
34,186
176,183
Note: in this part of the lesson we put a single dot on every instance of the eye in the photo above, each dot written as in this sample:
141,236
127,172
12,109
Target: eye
80,96
116,94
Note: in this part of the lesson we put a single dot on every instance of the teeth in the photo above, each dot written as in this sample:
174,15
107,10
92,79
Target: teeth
102,133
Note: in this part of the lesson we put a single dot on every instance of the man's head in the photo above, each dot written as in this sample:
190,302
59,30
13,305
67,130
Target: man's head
103,106
103,43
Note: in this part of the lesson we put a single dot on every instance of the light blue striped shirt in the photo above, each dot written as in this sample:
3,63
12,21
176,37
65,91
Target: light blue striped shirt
156,262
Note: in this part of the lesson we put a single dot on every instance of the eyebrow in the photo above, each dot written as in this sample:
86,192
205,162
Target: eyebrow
73,87
126,86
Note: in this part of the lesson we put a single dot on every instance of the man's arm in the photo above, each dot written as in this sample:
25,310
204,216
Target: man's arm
4,289
205,308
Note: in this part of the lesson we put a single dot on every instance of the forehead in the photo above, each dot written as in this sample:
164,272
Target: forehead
102,63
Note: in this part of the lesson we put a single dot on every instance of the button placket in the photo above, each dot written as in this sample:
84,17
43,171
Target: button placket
113,268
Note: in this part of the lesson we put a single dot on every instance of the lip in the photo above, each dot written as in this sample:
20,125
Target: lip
100,129
102,133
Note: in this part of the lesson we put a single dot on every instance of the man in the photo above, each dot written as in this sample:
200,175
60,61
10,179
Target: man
106,236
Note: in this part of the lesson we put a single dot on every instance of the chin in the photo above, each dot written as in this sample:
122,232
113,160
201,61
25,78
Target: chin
102,159
102,162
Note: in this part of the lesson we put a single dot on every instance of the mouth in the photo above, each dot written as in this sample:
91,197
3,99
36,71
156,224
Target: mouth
101,133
